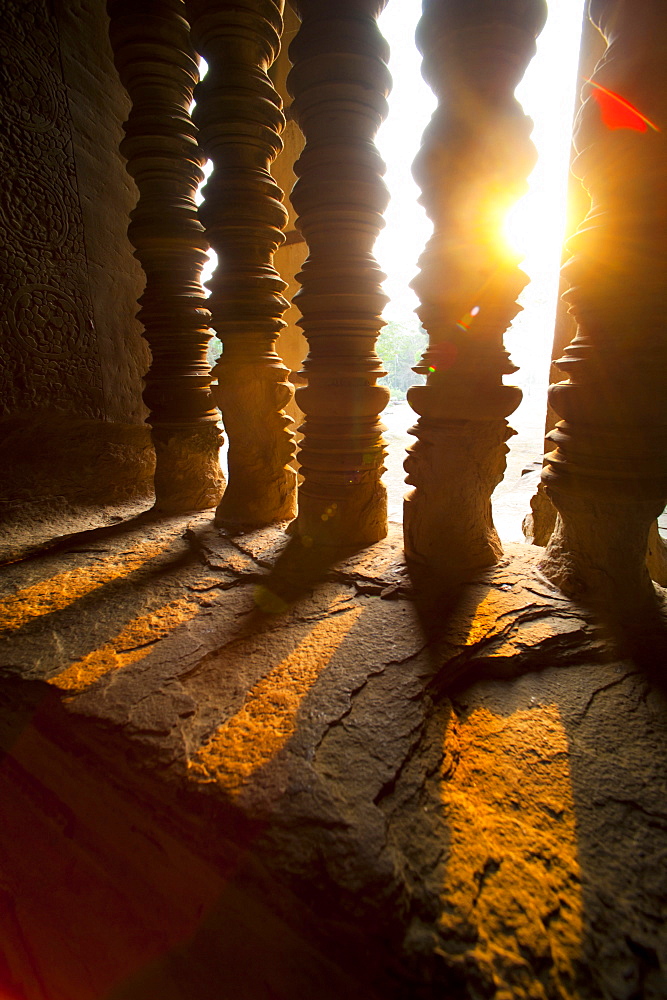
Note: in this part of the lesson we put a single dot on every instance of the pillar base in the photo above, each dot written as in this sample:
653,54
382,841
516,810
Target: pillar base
243,504
447,518
262,484
187,472
597,556
350,518
539,524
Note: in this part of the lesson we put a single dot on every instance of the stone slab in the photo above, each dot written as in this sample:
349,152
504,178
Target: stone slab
423,799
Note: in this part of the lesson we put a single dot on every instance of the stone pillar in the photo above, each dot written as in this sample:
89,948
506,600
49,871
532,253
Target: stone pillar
473,164
607,475
239,117
339,82
158,68
541,520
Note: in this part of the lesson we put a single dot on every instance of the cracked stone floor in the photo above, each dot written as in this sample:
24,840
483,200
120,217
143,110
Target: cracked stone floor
233,769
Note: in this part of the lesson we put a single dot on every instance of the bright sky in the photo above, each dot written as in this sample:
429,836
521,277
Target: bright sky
547,94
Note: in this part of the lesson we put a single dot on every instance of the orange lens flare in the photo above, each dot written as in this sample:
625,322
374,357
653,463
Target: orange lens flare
443,356
616,112
465,321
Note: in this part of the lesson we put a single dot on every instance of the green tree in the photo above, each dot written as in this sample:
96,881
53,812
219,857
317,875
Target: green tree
400,345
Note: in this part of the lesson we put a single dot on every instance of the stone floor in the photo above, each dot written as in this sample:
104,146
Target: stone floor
233,768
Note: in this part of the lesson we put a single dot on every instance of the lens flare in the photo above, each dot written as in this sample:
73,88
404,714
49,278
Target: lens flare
616,112
465,321
442,356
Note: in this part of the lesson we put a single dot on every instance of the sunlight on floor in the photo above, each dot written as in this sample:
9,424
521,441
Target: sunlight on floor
491,764
252,738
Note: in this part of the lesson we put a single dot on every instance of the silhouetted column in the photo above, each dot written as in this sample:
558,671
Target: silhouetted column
539,524
239,116
607,476
473,164
158,68
339,82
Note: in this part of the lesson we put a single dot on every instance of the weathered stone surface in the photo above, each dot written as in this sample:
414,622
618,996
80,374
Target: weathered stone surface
551,791
539,524
98,105
381,793
49,357
70,340
63,475
188,476
72,356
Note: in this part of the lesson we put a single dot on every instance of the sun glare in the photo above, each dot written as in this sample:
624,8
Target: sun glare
534,229
535,225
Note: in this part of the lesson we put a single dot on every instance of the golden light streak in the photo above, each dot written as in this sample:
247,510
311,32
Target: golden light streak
486,617
262,727
63,589
509,809
129,646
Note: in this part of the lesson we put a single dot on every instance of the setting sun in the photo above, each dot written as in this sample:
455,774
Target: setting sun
534,230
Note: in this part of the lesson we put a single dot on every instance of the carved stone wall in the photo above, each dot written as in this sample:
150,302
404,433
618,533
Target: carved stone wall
98,106
72,437
50,358
70,342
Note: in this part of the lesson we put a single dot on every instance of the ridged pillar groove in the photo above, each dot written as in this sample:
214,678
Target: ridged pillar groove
159,70
607,475
476,155
240,119
339,82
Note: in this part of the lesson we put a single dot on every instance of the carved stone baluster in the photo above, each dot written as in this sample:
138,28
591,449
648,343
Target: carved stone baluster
339,82
607,476
240,119
473,165
159,70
